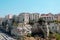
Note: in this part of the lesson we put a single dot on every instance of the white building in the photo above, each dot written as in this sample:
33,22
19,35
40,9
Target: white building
57,17
34,16
24,18
48,17
8,16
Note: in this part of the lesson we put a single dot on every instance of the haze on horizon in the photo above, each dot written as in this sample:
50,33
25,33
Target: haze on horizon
32,6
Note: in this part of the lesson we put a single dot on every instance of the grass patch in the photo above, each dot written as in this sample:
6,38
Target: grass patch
57,36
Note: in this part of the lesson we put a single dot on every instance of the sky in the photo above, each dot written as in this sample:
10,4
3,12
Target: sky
32,6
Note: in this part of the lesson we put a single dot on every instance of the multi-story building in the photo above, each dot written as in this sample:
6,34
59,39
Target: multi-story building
34,17
48,17
57,17
8,16
24,18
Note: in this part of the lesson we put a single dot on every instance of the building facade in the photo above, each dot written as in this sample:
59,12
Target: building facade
8,16
34,17
48,17
57,17
24,18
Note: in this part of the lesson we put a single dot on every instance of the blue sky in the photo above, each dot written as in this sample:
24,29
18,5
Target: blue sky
18,6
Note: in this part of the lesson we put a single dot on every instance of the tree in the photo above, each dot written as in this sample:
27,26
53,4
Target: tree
39,29
31,22
56,21
4,23
15,22
41,21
